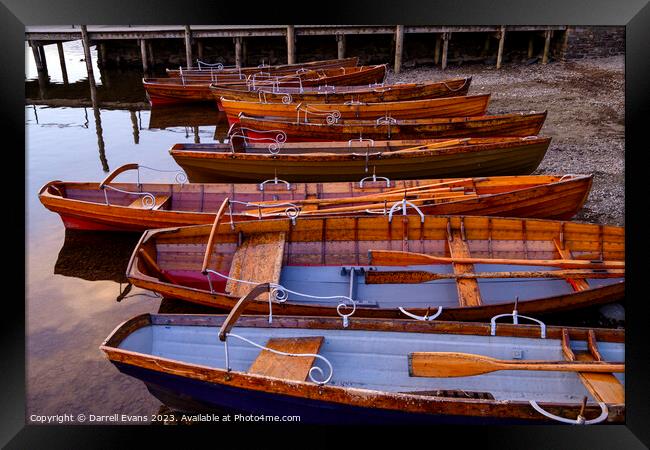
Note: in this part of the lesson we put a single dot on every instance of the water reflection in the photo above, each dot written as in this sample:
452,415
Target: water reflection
95,256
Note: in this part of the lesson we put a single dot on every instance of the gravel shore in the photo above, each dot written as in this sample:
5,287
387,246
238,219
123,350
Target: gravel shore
585,100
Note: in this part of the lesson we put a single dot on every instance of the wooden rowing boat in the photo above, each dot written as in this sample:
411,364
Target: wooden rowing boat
246,160
189,89
83,205
369,372
341,94
518,124
464,106
208,70
321,263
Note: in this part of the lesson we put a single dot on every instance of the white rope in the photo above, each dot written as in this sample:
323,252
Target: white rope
281,295
577,421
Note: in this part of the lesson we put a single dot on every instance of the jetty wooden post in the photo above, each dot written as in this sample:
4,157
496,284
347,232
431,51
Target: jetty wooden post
547,45
188,46
238,51
436,51
37,56
64,70
340,45
101,55
143,54
41,51
89,65
291,44
152,62
199,46
445,49
502,39
565,42
530,46
486,45
399,47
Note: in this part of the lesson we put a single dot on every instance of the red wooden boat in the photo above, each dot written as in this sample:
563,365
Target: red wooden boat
386,128
340,94
209,70
189,89
464,106
120,207
248,160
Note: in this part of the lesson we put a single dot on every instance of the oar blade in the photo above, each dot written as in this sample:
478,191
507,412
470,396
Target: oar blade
448,364
395,258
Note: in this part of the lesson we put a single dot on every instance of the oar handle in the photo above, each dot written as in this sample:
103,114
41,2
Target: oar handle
563,366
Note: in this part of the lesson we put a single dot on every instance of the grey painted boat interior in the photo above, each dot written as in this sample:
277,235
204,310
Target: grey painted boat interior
377,360
330,281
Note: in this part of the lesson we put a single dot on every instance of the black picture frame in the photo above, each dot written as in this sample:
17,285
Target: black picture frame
634,15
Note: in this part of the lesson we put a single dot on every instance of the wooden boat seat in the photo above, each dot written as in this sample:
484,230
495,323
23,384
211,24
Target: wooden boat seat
294,368
604,387
162,202
258,259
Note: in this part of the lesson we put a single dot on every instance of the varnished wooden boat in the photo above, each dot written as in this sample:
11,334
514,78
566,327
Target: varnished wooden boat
208,70
377,266
367,373
341,94
189,89
464,106
518,124
246,160
83,205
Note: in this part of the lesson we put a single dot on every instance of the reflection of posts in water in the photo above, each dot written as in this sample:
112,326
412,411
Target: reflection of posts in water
100,139
93,98
35,114
136,130
221,130
86,117
197,139
64,71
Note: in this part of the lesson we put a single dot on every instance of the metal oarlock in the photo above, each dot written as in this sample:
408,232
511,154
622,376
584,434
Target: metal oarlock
515,320
274,180
331,117
374,179
404,204
276,137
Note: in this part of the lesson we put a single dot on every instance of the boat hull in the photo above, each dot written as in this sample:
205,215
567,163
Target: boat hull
195,396
367,94
512,125
520,158
349,239
464,106
555,200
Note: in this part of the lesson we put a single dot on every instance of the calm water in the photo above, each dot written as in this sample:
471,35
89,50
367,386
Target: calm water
73,279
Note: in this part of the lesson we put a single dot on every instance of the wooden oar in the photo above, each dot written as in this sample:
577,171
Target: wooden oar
398,258
422,276
449,364
355,205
